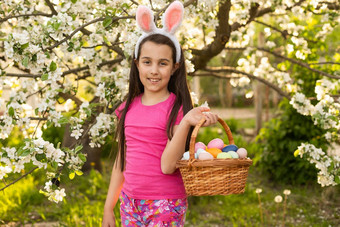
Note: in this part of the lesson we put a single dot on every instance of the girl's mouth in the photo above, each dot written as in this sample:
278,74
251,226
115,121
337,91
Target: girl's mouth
153,80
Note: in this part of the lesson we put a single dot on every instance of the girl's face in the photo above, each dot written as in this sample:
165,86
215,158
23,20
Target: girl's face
155,66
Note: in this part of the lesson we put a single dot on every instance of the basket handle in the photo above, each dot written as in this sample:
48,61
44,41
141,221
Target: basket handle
195,132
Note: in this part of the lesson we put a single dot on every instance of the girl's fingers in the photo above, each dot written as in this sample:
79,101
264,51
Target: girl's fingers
210,118
203,109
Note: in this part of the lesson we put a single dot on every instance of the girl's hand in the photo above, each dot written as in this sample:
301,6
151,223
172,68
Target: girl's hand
109,219
196,114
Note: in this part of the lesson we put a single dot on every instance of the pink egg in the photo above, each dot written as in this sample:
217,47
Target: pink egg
205,156
200,145
216,143
242,153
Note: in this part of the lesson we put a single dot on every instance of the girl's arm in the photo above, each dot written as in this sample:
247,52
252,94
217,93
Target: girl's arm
116,184
176,146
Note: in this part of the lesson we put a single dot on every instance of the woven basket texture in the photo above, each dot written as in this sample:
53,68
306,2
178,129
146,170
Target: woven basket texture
213,177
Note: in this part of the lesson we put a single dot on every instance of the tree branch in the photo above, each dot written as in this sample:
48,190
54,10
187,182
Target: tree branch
305,65
185,4
51,6
34,76
13,182
26,75
215,75
221,37
283,33
324,63
233,70
330,5
25,15
259,13
82,27
294,61
72,97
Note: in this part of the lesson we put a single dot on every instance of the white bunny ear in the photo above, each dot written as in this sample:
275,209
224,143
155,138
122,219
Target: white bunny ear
144,18
173,17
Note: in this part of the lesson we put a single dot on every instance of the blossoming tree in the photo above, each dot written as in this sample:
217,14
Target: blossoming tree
66,62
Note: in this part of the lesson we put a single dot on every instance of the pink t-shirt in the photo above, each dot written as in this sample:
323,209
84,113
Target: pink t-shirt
146,138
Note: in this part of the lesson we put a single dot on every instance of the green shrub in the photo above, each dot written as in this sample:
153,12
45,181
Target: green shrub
19,199
53,134
280,138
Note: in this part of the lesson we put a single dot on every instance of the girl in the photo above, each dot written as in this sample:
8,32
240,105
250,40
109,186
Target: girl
154,123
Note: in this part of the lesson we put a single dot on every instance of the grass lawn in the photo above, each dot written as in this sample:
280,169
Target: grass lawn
307,205
83,206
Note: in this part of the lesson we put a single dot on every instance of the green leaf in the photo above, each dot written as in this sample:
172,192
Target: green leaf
24,46
36,111
43,192
40,157
78,148
337,179
49,124
44,77
54,165
23,152
82,157
73,1
11,111
53,66
25,61
107,21
34,57
56,25
63,120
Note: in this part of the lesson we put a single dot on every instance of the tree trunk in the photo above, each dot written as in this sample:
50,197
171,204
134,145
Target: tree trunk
221,93
229,93
197,86
258,87
267,101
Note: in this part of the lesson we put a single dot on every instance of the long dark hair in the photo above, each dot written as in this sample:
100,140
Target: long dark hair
177,85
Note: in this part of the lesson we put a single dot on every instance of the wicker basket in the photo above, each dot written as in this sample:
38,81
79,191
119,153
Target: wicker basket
213,177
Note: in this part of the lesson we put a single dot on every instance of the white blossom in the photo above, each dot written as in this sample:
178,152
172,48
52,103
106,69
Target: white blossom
286,192
278,199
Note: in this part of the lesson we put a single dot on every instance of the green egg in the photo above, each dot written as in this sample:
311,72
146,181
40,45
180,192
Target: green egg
224,155
233,154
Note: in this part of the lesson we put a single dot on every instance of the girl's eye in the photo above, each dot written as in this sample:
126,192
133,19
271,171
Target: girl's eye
163,63
147,62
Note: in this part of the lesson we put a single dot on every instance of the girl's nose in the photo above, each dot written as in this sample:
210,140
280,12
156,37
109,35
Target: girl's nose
154,69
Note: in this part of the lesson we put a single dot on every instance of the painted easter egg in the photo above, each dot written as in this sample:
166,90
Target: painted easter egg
199,145
200,150
205,156
224,155
232,153
216,143
231,147
186,155
214,151
242,153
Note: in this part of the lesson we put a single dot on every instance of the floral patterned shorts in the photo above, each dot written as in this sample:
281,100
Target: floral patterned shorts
143,212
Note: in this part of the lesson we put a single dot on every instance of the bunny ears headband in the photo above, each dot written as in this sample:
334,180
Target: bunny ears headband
172,19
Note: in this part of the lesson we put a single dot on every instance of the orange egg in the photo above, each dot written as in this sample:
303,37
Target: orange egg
214,151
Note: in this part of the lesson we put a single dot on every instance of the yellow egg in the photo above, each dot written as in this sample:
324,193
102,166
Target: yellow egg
214,151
